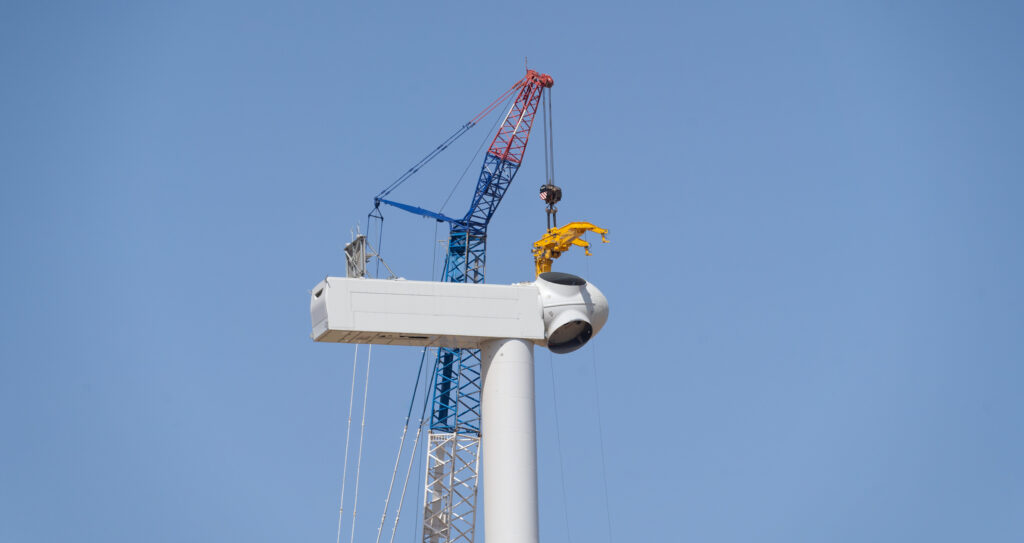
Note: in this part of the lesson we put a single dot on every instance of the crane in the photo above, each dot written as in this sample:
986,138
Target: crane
453,454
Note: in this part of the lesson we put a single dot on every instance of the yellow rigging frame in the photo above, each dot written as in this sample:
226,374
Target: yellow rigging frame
559,239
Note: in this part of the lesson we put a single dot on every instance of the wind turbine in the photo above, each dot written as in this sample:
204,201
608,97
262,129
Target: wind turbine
559,311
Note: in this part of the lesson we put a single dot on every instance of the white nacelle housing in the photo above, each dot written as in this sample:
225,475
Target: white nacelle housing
560,311
574,310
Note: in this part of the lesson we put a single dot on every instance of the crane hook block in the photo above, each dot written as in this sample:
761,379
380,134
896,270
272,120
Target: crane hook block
558,240
551,194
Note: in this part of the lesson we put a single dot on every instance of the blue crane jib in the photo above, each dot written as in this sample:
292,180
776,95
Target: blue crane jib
456,383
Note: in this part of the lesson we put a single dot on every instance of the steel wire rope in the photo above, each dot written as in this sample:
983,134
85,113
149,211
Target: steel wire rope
417,534
423,161
433,257
387,190
551,137
544,124
558,438
549,174
600,424
359,457
380,236
474,159
506,97
447,142
401,443
344,470
412,459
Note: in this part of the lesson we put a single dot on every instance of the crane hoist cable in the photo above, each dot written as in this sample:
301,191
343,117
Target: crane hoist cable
549,192
557,239
549,130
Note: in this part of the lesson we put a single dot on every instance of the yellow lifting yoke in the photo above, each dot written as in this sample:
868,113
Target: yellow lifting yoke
558,240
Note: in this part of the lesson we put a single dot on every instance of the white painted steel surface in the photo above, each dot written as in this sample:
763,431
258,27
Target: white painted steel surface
509,448
423,313
449,502
563,309
452,315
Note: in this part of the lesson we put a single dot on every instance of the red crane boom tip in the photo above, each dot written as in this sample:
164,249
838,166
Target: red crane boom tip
544,79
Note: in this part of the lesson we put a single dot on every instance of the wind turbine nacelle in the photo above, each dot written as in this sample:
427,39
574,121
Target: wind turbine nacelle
559,311
573,311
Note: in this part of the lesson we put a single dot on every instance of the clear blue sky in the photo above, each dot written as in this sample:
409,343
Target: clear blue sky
817,215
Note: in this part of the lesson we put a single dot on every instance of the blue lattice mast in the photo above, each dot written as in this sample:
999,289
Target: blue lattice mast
453,455
456,390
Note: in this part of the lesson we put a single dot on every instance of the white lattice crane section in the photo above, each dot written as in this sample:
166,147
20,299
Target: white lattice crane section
449,512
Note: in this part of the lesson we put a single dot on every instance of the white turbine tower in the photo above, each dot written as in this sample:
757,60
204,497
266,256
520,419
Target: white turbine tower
558,311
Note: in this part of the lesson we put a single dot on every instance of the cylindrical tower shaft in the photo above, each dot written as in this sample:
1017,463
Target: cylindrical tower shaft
509,448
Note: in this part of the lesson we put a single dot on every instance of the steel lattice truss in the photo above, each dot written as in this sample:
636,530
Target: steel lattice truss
455,424
456,394
449,503
456,390
450,497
